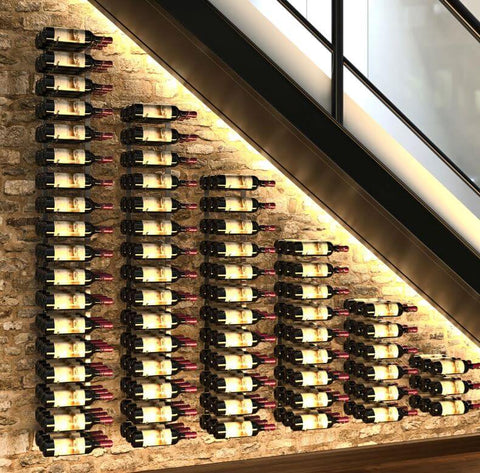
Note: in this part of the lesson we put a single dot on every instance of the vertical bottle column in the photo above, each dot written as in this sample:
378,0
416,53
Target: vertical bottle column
305,352
153,405
64,257
230,376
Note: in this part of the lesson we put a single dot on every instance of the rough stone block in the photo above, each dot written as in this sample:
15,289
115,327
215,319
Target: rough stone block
19,187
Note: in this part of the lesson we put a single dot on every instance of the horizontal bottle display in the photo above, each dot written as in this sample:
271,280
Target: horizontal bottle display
154,228
377,393
155,274
69,86
378,372
70,205
234,338
155,388
63,109
235,316
161,320
308,334
154,205
233,227
170,434
381,414
147,158
307,247
71,420
250,427
66,62
155,365
233,293
69,39
309,355
69,300
307,270
159,297
154,343
69,253
68,229
62,347
442,365
238,383
233,271
307,313
309,421
310,377
232,249
84,442
378,308
153,182
234,360
71,395
146,113
56,324
69,277
233,182
69,157
308,291
443,386
70,371
61,133
149,135
377,329
378,351
160,413
154,251
235,406
65,180
308,399
233,204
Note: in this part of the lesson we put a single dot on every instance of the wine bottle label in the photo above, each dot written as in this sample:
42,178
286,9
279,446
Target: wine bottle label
238,249
157,321
69,229
151,297
69,156
453,366
315,357
152,438
238,362
238,339
386,372
157,111
69,374
238,317
386,351
69,35
69,349
386,331
157,158
314,421
69,107
238,182
314,248
69,446
238,227
69,253
154,251
157,204
69,132
69,204
65,301
152,227
315,378
385,414
157,181
69,277
236,384
238,429
63,325
236,204
157,367
456,386
314,270
314,313
314,334
68,422
238,271
66,398
157,135
66,59
238,294
314,400
451,408
69,83
63,180
238,407
314,292
157,391
157,344
388,309
385,393
153,414
160,274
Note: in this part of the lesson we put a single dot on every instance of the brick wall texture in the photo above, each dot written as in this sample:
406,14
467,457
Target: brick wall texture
137,78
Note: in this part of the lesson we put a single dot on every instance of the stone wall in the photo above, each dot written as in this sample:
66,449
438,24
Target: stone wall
138,78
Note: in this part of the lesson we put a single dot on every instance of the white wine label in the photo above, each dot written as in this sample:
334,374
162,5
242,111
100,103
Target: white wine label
69,277
151,297
238,339
157,251
238,407
157,391
315,378
64,180
69,374
453,366
452,408
153,438
153,414
314,270
314,334
386,372
69,83
310,291
314,400
70,229
314,313
385,393
157,111
66,59
388,351
238,227
160,274
157,367
238,294
157,135
69,156
157,321
238,182
157,204
69,349
157,158
236,384
238,362
69,35
157,344
238,249
68,422
238,271
314,421
386,331
385,414
236,204
238,429
387,309
157,181
69,204
456,386
69,132
69,253
314,248
66,301
238,317
152,227
315,357
69,107
63,325
69,446
66,398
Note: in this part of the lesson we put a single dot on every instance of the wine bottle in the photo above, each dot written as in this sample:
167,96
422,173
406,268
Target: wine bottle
69,157
386,372
160,436
313,399
380,393
160,297
452,407
386,414
238,406
308,334
233,182
308,356
161,320
451,386
307,313
56,324
234,338
237,316
69,86
69,252
61,347
68,205
66,180
68,445
236,429
71,395
69,277
382,351
233,271
153,228
234,360
155,343
70,229
233,227
65,421
153,388
385,309
155,414
149,135
155,274
451,366
307,247
71,371
154,251
143,113
147,158
310,377
307,270
235,384
233,204
61,133
153,181
155,365
233,293
232,249
153,204
308,291
68,39
69,300
315,421
383,330
64,62
63,109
